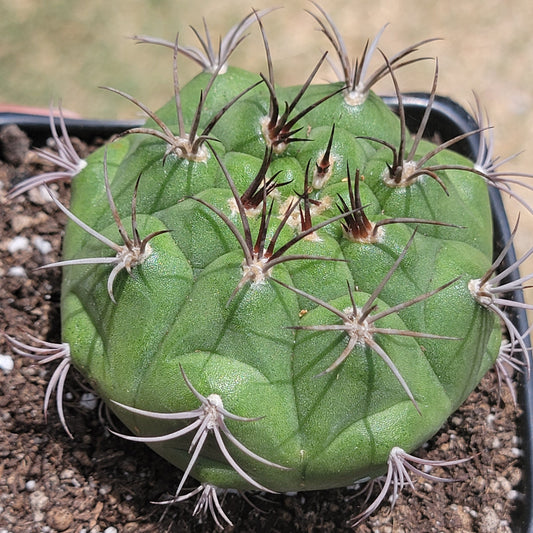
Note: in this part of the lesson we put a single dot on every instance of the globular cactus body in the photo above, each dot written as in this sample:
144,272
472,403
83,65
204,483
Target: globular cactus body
176,309
302,301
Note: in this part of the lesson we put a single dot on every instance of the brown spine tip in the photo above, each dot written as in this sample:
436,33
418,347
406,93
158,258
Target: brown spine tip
357,227
305,213
324,166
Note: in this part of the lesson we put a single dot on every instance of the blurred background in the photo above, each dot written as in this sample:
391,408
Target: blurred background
67,48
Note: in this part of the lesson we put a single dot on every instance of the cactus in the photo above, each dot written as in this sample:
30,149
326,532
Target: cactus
306,293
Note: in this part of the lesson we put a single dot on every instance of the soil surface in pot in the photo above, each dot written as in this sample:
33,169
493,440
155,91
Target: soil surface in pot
50,483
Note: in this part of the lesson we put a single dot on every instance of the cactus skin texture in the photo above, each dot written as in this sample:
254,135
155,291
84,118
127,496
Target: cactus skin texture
300,300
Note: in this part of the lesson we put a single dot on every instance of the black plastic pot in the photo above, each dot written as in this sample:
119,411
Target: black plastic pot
37,126
447,120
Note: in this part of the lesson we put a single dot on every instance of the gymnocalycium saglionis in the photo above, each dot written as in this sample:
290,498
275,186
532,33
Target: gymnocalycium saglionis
281,289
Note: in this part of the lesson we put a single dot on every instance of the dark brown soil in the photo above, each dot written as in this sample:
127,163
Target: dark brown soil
50,483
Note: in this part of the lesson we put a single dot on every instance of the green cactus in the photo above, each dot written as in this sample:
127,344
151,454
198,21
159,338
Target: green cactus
310,290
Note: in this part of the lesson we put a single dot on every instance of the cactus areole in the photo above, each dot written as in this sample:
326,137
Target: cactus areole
278,289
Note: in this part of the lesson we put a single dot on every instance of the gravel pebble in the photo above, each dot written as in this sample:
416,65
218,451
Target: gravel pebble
38,501
89,401
44,246
17,272
6,363
59,518
18,244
